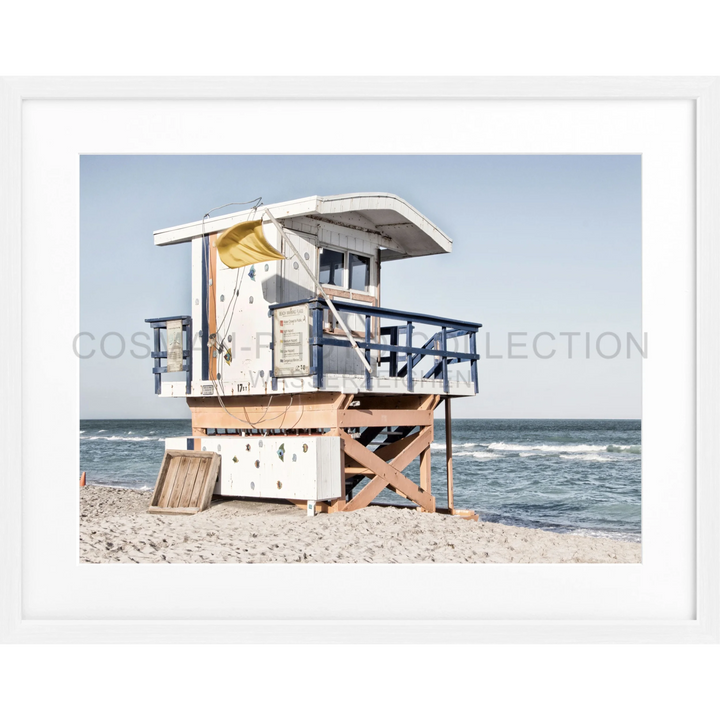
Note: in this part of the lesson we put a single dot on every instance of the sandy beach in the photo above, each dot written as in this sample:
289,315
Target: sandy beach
115,527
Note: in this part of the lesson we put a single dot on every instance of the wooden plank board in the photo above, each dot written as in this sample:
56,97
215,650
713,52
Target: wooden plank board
168,485
309,411
193,465
196,492
206,491
384,418
301,411
159,486
298,418
185,482
173,511
180,477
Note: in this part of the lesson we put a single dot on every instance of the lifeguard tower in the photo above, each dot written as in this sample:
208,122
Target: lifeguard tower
297,377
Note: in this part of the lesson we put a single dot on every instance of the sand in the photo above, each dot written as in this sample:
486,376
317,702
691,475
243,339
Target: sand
115,527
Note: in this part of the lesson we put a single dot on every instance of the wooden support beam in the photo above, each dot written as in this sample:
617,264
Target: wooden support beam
338,504
425,455
430,402
425,470
357,470
400,454
421,441
304,411
388,452
387,475
367,494
448,454
464,514
342,401
358,417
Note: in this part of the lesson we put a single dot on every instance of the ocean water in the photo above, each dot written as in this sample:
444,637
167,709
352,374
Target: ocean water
567,476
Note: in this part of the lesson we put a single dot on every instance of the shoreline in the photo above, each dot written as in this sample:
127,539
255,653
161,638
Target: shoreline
114,527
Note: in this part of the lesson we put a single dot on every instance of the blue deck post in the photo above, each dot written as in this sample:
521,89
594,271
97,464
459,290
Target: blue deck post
393,354
446,379
368,338
408,342
158,379
473,363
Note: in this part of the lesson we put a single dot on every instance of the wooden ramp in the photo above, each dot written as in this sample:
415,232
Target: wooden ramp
185,483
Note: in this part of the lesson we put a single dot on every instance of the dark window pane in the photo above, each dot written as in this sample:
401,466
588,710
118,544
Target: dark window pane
331,267
359,272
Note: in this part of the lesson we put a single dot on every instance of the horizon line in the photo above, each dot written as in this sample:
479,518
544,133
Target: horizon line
455,418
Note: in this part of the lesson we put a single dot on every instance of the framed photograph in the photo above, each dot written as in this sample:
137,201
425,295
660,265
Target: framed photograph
81,156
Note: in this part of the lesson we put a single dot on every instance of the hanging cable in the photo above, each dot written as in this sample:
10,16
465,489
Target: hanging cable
211,341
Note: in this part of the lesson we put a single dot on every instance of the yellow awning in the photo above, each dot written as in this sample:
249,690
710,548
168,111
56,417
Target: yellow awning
245,244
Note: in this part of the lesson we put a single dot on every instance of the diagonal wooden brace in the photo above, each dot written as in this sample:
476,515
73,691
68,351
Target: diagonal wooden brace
403,452
397,450
389,475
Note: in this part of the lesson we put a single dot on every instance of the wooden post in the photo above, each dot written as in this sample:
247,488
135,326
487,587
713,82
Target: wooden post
425,460
425,476
212,308
448,454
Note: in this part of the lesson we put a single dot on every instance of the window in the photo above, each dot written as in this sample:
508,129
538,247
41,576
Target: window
359,272
332,267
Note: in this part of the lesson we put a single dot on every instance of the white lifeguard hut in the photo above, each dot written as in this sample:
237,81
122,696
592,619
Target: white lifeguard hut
296,376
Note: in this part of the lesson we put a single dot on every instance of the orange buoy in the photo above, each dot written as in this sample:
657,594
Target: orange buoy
82,480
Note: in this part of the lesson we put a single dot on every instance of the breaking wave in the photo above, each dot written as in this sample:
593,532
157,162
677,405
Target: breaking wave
527,450
586,457
480,455
632,449
118,438
441,446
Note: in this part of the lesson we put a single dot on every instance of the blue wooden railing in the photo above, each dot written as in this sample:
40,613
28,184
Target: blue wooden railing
436,346
158,324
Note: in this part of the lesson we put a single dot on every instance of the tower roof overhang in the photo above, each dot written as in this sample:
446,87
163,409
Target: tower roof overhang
402,230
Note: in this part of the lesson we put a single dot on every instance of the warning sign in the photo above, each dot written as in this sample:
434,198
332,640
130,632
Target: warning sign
291,341
174,346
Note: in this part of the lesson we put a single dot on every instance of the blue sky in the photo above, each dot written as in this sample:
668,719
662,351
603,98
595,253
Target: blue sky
541,244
